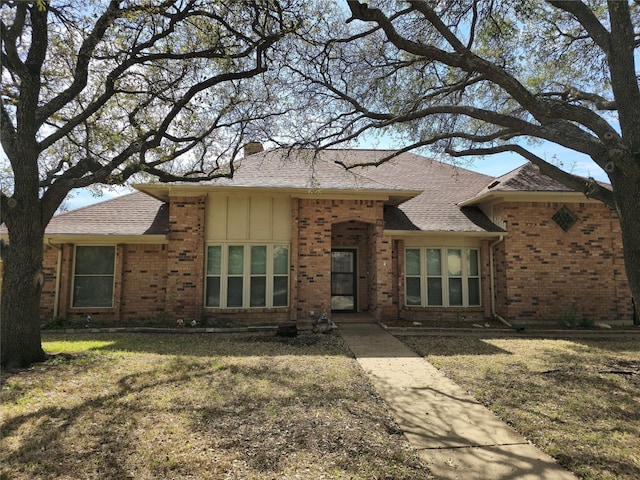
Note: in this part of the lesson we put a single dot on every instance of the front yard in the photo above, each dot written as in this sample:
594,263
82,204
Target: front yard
257,406
223,406
578,399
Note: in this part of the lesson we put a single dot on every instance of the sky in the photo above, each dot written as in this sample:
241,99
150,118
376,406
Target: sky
494,166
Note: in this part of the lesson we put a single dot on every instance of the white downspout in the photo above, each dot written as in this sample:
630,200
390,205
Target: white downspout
492,280
56,298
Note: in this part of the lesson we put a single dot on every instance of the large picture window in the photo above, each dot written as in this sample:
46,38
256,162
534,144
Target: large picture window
447,277
247,276
93,276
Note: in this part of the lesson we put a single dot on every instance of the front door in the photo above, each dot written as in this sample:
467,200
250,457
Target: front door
343,280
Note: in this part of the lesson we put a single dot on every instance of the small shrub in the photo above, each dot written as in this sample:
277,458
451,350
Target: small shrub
572,319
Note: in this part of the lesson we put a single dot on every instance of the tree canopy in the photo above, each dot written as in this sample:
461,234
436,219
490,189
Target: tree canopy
473,77
99,92
102,91
482,77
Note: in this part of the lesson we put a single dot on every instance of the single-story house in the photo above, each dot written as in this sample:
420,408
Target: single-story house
293,234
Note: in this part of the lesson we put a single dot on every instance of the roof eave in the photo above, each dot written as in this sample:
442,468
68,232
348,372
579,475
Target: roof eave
443,233
390,197
105,239
529,196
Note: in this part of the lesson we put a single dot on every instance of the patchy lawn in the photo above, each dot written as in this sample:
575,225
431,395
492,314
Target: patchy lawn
578,400
222,406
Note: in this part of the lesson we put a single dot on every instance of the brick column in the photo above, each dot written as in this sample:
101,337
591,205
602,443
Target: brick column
314,258
383,283
186,258
293,272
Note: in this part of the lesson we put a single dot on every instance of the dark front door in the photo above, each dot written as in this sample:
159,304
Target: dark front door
343,280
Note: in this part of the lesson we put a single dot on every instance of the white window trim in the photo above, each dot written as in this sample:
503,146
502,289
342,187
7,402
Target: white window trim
73,277
246,274
444,277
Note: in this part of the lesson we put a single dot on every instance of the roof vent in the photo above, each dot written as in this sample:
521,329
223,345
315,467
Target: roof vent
252,147
493,184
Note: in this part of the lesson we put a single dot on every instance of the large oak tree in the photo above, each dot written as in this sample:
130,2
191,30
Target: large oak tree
96,92
480,77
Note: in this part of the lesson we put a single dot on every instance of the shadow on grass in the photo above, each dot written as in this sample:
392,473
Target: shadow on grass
181,416
452,346
205,344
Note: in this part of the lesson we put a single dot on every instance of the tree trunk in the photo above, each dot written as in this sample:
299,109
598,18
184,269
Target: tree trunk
21,287
627,193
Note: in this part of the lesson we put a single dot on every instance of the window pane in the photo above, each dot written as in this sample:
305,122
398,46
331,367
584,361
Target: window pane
434,291
342,284
342,261
434,262
95,260
472,263
413,291
236,260
258,260
213,260
455,291
280,291
412,261
258,293
234,292
281,260
474,291
93,291
454,262
213,291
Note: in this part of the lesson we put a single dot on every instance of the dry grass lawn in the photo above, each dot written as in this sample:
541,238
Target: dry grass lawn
578,399
222,406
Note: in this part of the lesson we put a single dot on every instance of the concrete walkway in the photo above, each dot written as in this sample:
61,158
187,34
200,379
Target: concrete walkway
456,435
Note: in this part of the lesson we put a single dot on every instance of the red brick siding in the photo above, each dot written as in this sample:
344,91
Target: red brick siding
144,285
185,258
49,265
545,273
318,223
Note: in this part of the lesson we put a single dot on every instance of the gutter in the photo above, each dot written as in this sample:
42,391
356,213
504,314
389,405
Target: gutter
492,281
56,298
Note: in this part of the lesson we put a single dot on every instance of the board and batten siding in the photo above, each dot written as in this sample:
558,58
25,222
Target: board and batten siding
252,218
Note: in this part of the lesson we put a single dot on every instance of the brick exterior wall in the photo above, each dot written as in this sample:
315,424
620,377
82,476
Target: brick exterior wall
144,281
319,226
541,272
544,273
185,258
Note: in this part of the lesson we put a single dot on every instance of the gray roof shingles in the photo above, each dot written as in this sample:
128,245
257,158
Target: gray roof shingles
133,214
443,187
435,209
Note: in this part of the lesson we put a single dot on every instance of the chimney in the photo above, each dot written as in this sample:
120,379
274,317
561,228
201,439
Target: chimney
252,147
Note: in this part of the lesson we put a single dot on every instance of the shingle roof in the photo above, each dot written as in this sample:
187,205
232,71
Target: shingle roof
443,186
303,168
526,178
133,214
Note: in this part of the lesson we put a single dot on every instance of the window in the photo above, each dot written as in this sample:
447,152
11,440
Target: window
242,276
413,277
93,277
447,277
564,218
